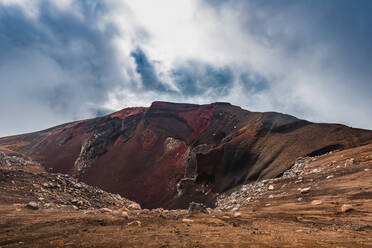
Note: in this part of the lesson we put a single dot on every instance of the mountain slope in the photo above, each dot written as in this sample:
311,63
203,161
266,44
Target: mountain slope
170,154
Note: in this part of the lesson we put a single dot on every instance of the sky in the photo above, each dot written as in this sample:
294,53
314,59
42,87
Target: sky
67,60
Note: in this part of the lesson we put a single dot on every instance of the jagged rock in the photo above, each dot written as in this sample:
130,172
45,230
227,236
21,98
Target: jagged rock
32,205
196,208
346,208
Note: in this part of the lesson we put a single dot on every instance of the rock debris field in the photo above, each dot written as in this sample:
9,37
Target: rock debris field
323,201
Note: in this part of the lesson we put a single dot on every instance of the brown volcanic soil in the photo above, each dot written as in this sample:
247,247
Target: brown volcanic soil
286,222
143,153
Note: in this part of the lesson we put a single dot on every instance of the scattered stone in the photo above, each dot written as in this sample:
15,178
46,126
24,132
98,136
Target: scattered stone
315,171
271,187
299,199
271,196
237,214
135,223
346,208
329,177
69,245
316,202
187,221
235,209
105,210
32,205
305,190
134,206
349,162
125,214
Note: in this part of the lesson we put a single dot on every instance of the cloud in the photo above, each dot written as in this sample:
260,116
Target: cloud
147,72
60,60
72,59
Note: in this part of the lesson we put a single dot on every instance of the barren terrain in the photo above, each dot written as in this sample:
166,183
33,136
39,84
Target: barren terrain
323,201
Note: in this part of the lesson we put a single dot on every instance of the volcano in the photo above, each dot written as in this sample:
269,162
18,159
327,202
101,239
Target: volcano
170,154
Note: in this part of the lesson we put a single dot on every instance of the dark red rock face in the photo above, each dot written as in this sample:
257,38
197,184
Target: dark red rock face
170,154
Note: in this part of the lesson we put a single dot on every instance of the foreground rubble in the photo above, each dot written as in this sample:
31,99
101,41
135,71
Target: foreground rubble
54,191
322,201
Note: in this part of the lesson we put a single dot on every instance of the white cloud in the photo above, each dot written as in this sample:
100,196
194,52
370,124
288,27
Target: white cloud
301,73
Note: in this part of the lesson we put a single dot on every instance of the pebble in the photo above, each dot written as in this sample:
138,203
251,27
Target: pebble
346,208
105,210
235,209
134,206
305,190
237,214
138,223
316,202
271,187
32,205
187,220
